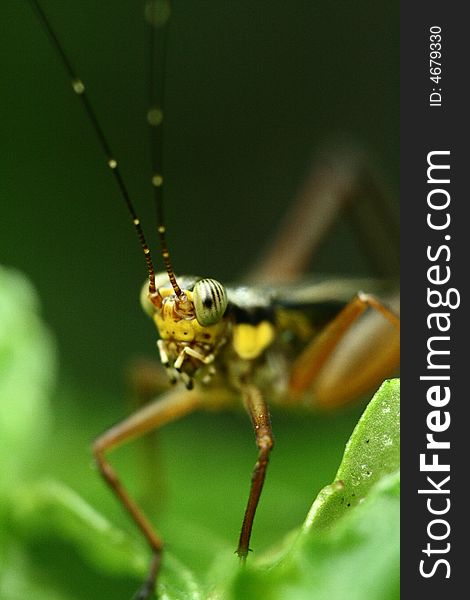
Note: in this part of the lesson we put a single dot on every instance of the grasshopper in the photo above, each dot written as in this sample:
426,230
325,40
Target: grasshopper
277,338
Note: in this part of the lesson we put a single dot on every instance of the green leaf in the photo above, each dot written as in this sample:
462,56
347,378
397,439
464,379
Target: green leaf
27,376
348,547
51,510
356,559
372,451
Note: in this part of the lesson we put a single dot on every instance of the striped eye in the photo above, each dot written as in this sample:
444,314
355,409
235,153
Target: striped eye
210,301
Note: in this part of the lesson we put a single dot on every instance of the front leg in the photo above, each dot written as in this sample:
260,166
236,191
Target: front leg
169,407
258,410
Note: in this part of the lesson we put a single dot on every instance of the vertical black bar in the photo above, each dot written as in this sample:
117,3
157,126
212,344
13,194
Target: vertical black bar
435,241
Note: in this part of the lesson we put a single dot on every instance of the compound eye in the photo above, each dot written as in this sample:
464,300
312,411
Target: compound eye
210,301
145,301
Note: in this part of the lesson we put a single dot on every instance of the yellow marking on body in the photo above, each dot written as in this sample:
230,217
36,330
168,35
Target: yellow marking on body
179,331
178,328
249,341
185,330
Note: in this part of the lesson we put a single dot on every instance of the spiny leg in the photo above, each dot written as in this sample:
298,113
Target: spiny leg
309,365
169,407
339,182
375,220
259,413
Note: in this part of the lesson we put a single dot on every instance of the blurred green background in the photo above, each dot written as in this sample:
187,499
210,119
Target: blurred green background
253,89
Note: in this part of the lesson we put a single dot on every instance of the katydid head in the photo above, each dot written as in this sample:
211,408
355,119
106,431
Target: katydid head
192,332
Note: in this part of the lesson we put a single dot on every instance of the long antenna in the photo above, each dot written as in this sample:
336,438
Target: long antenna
157,14
79,88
